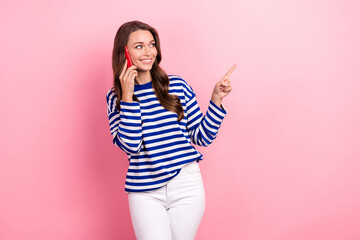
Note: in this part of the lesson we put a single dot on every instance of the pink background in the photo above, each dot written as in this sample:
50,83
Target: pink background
284,166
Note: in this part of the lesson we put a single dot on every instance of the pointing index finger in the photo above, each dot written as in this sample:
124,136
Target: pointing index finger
230,71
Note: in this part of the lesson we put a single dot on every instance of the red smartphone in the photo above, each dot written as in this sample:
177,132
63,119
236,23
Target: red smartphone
127,55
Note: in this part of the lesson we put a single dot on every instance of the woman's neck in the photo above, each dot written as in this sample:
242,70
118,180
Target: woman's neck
143,77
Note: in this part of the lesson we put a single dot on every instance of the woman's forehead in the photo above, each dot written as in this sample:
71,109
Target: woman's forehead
140,36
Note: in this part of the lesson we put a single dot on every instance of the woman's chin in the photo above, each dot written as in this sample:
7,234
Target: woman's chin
144,69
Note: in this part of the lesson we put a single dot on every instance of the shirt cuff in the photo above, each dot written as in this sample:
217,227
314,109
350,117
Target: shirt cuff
130,110
220,110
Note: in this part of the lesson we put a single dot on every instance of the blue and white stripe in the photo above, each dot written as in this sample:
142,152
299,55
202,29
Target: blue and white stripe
156,144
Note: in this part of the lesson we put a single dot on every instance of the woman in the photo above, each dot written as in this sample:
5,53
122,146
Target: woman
154,117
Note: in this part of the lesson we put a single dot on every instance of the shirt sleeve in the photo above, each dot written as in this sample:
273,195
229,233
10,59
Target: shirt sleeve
125,125
202,128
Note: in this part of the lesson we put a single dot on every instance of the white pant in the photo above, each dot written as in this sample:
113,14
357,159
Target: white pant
172,212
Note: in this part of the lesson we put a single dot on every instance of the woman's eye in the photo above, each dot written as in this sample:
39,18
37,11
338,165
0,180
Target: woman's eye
153,44
138,46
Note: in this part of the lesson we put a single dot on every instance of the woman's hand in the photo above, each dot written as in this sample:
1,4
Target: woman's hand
127,81
222,87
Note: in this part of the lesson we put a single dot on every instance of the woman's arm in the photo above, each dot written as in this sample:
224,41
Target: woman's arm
125,126
203,129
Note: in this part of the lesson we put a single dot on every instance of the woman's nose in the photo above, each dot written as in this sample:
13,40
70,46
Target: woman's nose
147,51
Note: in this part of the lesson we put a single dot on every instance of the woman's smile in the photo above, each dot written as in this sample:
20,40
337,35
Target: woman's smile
146,60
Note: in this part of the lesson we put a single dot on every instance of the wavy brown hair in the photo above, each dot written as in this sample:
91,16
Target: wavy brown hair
159,79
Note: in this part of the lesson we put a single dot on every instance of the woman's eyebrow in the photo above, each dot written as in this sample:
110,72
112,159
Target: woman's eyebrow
143,42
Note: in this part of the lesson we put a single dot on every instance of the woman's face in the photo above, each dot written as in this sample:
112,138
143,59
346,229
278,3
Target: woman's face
142,49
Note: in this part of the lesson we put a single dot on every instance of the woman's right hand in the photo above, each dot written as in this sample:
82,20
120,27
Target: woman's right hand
127,81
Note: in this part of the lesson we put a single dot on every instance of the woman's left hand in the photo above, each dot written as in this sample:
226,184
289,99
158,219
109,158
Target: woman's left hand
222,88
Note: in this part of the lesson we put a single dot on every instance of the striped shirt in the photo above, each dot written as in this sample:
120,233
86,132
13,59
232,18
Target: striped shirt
157,145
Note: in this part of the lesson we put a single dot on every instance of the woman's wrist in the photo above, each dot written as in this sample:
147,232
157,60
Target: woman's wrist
216,99
127,98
